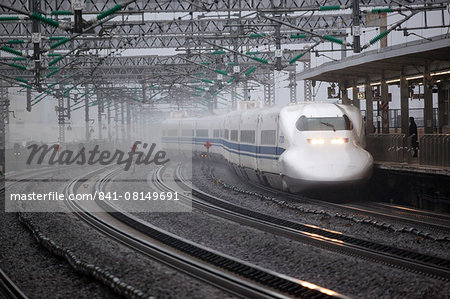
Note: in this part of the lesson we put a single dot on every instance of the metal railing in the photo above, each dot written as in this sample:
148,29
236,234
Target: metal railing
395,117
390,147
435,150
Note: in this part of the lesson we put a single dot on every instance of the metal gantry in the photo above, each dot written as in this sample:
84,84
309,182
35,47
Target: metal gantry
198,50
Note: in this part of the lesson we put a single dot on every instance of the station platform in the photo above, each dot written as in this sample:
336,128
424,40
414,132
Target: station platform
413,167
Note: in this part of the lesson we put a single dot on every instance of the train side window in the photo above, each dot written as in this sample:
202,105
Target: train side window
248,136
234,135
187,132
268,137
172,132
225,134
202,133
216,133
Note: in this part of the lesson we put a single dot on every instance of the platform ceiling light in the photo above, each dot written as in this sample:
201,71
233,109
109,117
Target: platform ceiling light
407,78
414,77
440,73
392,81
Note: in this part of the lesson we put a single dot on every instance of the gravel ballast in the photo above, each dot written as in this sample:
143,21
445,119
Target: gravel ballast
39,274
360,230
347,275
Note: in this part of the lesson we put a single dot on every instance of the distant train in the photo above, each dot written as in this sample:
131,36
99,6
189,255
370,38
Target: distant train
293,148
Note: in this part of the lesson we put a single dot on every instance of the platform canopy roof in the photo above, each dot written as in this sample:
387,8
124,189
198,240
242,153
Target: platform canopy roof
409,57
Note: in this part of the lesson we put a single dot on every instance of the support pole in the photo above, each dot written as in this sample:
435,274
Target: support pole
122,120
307,83
293,86
86,115
233,97
246,95
404,104
116,119
28,100
442,120
61,123
344,93
383,28
99,113
356,28
108,115
36,39
128,121
269,90
4,107
385,99
369,108
428,101
355,100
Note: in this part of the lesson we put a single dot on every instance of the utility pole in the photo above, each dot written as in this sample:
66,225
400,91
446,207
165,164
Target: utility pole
356,27
86,112
99,114
36,39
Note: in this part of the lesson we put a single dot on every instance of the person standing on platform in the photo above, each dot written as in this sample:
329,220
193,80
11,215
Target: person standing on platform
413,135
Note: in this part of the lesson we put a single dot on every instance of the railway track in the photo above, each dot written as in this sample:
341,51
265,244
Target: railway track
232,275
417,219
331,240
8,289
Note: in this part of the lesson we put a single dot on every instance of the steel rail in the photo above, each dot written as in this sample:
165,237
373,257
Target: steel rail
195,260
359,210
331,240
8,289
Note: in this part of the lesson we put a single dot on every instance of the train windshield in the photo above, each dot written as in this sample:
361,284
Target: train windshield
324,123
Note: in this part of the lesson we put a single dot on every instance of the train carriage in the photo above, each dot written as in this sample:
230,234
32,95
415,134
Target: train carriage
294,147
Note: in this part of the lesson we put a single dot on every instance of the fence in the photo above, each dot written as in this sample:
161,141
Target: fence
395,117
390,147
435,150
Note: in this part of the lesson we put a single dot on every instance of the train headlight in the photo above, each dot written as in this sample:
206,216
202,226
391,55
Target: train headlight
339,140
316,141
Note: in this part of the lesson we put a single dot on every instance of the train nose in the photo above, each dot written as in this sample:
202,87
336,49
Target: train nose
338,166
333,172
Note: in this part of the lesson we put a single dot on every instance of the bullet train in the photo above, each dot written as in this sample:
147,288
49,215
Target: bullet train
293,148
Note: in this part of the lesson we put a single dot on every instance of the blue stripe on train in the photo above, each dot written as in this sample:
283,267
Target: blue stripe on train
236,148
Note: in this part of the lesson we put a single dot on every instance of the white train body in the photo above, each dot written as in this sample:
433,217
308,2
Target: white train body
293,147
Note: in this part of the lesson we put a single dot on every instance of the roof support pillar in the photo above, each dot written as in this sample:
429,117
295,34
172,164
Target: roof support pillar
404,104
384,99
369,108
442,119
428,101
355,99
344,93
